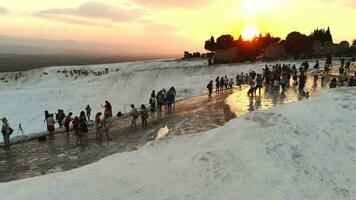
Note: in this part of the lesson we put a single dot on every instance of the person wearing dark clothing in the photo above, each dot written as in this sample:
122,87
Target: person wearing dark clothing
83,127
259,85
173,92
302,81
153,104
333,83
46,115
222,83
217,84
210,88
170,100
88,111
160,100
153,94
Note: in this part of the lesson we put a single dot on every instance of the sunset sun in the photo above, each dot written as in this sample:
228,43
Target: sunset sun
249,33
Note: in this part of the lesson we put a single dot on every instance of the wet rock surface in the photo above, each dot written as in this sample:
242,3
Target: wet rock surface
190,116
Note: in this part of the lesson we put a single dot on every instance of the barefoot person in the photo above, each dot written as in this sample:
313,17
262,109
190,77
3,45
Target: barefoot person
144,115
50,126
134,116
75,124
98,125
83,127
88,111
105,129
6,131
107,110
67,122
210,88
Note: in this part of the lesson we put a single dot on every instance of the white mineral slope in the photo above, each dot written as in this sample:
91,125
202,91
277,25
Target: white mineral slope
25,100
304,150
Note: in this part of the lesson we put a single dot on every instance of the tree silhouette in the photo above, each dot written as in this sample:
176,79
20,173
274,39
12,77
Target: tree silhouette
298,44
210,44
321,35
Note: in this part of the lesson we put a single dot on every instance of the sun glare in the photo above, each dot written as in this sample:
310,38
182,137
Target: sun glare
249,33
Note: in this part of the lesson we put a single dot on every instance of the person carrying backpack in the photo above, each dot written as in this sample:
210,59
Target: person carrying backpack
6,131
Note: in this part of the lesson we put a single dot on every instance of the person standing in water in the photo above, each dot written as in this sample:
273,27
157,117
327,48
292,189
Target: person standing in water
88,111
97,125
170,101
105,129
67,122
107,110
210,88
134,116
217,85
6,131
83,127
50,126
144,115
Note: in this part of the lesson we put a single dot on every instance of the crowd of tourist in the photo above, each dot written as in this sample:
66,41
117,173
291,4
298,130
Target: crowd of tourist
283,76
273,76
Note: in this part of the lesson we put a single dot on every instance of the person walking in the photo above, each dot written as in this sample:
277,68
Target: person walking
222,83
88,111
144,115
210,88
160,100
67,122
97,125
50,126
217,85
259,81
83,127
134,116
152,104
170,101
105,129
6,131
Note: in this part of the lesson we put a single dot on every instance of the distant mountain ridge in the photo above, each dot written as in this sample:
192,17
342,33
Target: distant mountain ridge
30,46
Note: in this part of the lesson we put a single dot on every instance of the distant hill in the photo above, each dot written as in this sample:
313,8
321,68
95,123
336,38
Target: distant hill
17,54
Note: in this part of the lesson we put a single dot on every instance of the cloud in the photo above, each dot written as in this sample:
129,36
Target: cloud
93,10
173,3
3,10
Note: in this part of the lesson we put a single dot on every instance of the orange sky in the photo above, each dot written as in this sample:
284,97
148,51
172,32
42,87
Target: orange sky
171,26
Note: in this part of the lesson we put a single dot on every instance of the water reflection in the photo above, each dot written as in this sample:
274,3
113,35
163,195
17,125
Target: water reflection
240,103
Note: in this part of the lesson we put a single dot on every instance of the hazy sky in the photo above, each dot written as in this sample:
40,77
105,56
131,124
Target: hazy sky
171,26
